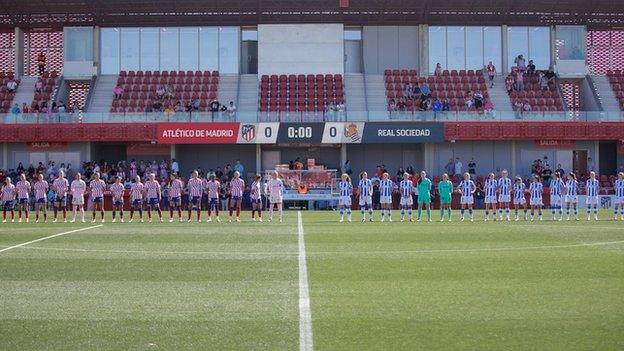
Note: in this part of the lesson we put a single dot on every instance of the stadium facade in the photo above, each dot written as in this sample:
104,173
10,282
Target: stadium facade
287,66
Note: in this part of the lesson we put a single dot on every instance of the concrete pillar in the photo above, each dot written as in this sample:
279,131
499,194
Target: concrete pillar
513,159
96,50
19,52
5,156
423,48
597,155
172,151
88,151
258,159
504,50
343,156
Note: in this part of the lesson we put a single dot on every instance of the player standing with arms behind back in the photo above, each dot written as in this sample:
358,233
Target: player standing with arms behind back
571,198
41,198
365,188
406,188
60,186
236,192
491,184
97,187
519,198
176,189
556,192
213,186
276,194
467,189
386,186
592,188
152,188
255,193
196,190
345,188
8,196
536,188
78,189
136,196
619,197
23,196
445,190
504,195
117,189
424,196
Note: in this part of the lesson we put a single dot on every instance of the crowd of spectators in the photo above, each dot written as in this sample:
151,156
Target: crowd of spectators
515,81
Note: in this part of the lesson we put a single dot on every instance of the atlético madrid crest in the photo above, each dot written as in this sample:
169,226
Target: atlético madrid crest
248,132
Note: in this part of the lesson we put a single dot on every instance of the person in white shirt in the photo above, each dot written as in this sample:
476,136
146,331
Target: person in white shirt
78,188
458,169
276,193
175,167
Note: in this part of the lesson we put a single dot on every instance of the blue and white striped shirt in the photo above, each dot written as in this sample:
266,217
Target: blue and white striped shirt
504,184
366,187
406,188
619,188
571,187
592,186
556,187
345,188
536,190
385,187
519,191
467,186
490,187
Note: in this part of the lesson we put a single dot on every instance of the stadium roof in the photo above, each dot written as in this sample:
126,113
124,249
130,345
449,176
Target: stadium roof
57,13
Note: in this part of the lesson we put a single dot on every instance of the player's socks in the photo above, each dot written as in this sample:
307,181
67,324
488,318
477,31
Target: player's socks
370,214
449,212
403,214
409,213
429,214
419,213
461,213
470,213
487,214
442,212
349,214
362,212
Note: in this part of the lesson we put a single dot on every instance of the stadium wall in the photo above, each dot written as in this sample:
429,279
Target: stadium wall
300,48
212,156
35,152
390,47
368,156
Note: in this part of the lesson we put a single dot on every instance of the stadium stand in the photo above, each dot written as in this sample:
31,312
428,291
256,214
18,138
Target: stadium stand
616,78
49,82
302,93
140,86
6,98
548,100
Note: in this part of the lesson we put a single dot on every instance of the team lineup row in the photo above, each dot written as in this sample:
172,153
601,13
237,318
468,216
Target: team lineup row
500,194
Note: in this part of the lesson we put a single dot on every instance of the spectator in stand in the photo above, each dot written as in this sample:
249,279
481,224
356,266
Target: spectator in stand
559,169
478,99
196,105
25,108
520,63
231,109
39,85
416,92
158,106
472,166
392,105
491,71
436,107
425,91
214,108
160,92
543,81
438,69
446,106
118,91
407,90
526,106
169,92
509,84
458,169
346,168
11,85
591,165
469,99
401,104
489,108
298,164
15,110
519,80
425,104
175,167
41,62
238,167
531,68
178,107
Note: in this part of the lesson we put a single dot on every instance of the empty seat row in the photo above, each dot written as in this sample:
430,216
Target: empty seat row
168,80
169,73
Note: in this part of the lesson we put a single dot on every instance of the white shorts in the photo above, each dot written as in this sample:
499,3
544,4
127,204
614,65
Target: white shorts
536,202
407,201
619,199
571,198
504,198
466,200
555,200
275,199
521,201
592,200
78,200
366,200
344,201
490,199
385,199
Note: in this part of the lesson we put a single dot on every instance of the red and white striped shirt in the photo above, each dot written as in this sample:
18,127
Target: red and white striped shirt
255,190
136,191
23,189
175,188
41,189
236,187
196,187
8,192
153,189
97,188
60,186
117,189
213,189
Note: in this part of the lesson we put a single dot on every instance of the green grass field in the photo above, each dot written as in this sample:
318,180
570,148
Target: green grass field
372,286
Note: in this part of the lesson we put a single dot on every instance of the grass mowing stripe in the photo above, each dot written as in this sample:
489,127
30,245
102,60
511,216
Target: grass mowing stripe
48,237
305,316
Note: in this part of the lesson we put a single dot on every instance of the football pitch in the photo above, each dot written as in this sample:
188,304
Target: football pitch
312,283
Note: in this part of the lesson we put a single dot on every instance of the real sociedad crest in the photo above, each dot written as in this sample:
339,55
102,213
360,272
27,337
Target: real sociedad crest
351,131
248,132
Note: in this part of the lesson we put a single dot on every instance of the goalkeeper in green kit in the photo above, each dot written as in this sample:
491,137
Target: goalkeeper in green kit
445,189
424,195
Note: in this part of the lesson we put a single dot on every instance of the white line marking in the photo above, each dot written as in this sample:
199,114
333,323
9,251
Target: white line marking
305,315
48,237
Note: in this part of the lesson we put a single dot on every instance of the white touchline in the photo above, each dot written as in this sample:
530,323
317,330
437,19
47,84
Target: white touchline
305,316
48,237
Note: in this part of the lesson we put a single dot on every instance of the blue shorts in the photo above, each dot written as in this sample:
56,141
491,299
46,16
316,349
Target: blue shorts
98,199
175,200
42,200
8,204
118,202
23,201
62,199
256,201
153,201
236,198
213,200
137,202
195,200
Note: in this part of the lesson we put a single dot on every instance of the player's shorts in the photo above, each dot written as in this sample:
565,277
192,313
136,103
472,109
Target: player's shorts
490,199
213,201
42,200
555,200
98,200
536,202
195,200
137,202
571,199
406,201
519,201
424,200
592,200
23,201
385,199
344,201
78,200
8,204
466,200
504,198
366,200
619,199
255,201
275,199
61,199
236,198
153,201
118,202
174,200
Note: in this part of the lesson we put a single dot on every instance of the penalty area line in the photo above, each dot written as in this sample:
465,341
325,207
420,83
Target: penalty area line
305,315
48,237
